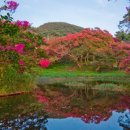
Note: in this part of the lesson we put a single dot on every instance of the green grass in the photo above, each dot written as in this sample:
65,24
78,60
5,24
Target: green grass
65,71
13,82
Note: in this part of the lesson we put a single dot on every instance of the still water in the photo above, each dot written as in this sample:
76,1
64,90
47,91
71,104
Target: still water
57,107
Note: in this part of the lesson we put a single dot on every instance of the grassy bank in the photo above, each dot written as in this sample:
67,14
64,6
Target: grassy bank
61,74
69,71
66,73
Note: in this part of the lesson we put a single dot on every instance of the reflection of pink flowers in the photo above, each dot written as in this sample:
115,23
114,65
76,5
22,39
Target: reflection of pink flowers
24,24
41,97
44,63
21,62
19,48
2,48
12,5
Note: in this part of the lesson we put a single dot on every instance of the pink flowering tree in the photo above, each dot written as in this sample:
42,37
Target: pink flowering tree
20,47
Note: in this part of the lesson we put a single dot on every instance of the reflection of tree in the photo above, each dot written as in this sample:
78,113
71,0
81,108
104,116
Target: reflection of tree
125,129
23,104
124,121
88,104
32,122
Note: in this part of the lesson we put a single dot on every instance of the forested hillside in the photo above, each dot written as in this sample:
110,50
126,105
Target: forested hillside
56,29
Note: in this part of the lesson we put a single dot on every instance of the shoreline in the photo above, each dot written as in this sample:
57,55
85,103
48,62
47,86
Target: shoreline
14,94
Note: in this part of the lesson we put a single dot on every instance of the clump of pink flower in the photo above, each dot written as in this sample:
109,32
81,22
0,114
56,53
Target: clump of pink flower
44,63
19,48
21,62
12,5
24,24
9,48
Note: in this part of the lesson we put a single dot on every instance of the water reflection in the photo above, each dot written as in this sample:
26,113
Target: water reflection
11,107
124,121
30,122
96,106
91,105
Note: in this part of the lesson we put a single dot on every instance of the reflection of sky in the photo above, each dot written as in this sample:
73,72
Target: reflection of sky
78,124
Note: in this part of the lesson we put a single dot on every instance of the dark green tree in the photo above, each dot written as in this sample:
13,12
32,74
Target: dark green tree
123,36
124,25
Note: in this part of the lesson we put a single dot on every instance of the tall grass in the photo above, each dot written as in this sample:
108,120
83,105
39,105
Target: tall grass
12,81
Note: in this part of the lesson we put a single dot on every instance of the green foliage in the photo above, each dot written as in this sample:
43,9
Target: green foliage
123,36
10,76
124,25
6,17
8,32
11,81
20,50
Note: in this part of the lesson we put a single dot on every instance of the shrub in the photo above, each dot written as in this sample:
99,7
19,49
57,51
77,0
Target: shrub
20,47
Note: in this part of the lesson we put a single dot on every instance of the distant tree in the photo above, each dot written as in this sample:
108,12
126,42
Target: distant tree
123,36
124,25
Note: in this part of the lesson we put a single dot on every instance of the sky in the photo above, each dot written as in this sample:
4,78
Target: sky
85,13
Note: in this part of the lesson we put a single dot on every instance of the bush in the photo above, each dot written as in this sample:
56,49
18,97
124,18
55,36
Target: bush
20,49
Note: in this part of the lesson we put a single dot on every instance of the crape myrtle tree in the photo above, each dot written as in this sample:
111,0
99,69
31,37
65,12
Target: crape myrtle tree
93,49
20,47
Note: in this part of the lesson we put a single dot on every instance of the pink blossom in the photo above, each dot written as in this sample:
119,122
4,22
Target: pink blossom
21,62
24,24
19,48
44,63
12,5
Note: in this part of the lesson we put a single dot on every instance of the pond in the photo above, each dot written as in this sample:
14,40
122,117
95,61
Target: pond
94,106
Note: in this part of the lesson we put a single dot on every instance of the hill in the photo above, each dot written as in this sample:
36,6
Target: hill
56,29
